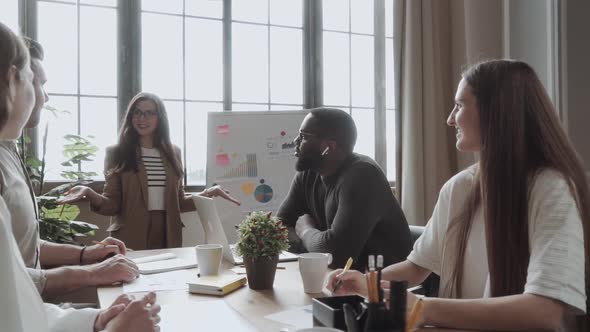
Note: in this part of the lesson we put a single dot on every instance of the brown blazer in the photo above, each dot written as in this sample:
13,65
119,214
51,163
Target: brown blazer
127,200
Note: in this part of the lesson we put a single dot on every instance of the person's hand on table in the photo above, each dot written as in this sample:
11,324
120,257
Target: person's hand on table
106,315
99,252
118,268
351,282
304,224
137,316
218,191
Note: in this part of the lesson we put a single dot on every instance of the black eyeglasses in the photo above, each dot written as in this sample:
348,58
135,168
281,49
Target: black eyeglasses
149,114
303,136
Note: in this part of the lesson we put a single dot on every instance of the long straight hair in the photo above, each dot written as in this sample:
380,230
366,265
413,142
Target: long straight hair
14,53
125,154
520,135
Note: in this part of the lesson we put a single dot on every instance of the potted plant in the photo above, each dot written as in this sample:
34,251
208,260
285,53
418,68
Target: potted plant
57,221
261,238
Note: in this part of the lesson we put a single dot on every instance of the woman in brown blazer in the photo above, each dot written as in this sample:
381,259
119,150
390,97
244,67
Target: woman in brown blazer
143,189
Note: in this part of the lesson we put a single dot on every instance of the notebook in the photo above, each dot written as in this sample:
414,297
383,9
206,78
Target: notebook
217,285
163,263
214,233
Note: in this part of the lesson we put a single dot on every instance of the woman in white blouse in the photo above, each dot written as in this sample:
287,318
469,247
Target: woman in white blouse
509,235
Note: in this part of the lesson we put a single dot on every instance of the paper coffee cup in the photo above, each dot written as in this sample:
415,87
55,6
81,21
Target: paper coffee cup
209,258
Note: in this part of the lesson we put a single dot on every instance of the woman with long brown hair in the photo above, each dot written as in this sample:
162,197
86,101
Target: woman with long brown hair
143,188
509,235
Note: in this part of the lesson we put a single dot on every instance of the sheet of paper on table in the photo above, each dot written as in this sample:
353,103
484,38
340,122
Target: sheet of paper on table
160,281
202,316
301,317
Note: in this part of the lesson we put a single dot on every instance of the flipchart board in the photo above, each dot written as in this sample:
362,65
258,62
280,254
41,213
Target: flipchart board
251,154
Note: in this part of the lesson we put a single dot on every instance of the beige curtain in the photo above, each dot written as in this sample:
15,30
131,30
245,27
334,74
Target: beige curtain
438,39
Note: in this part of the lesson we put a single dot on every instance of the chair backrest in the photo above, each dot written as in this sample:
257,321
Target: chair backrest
416,232
431,283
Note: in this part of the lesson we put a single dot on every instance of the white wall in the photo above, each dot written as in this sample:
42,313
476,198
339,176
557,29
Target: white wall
576,51
531,34
529,38
476,27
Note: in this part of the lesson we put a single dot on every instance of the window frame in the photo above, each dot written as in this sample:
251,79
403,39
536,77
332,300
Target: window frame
129,64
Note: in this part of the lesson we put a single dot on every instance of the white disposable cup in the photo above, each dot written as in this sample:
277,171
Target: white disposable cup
313,267
209,258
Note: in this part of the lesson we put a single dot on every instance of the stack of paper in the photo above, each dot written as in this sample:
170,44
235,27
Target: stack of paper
202,316
174,280
301,317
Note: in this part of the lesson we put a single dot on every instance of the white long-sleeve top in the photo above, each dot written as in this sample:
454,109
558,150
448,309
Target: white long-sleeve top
22,306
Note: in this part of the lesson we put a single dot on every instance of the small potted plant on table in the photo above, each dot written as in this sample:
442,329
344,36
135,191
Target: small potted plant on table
261,238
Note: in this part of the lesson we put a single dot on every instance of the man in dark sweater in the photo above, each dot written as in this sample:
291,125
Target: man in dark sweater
340,202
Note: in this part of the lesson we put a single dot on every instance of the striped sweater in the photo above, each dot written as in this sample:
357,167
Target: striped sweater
156,178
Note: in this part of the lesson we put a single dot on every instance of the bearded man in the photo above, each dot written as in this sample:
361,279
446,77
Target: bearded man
340,202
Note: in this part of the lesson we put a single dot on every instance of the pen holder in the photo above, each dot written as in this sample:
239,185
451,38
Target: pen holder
377,317
329,311
370,317
397,304
354,316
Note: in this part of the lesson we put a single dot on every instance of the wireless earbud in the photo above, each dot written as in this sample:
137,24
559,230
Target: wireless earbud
325,151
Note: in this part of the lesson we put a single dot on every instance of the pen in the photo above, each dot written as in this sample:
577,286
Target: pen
379,268
346,268
372,280
372,287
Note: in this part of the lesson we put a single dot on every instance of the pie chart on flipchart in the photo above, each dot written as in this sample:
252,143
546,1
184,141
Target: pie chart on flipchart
263,193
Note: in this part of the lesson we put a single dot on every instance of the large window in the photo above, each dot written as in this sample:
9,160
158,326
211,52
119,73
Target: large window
81,65
266,64
182,62
9,14
389,91
267,55
350,48
201,56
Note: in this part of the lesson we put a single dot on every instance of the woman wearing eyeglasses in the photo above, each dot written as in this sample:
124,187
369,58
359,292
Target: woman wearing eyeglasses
143,188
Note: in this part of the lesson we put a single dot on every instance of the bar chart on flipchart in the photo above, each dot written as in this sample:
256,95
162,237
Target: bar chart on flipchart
251,154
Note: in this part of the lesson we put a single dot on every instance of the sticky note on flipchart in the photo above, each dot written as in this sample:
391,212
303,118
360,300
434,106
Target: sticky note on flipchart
223,129
222,159
248,188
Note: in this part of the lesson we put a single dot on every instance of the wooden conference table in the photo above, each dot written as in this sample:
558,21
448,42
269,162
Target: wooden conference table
251,305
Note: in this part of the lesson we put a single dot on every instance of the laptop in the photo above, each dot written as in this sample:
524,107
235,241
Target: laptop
214,233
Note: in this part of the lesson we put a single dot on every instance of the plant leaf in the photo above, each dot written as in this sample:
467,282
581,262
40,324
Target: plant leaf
62,212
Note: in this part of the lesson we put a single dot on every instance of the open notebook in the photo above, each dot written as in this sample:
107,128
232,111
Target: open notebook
163,263
214,233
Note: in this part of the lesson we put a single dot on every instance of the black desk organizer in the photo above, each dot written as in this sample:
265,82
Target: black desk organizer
354,314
